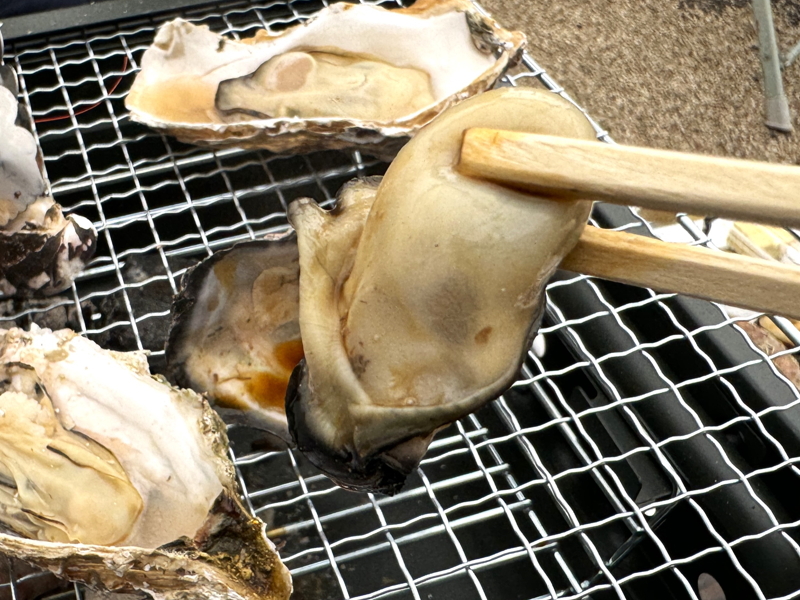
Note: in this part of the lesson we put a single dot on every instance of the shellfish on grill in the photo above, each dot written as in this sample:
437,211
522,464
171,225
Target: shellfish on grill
111,477
353,75
423,313
41,250
235,333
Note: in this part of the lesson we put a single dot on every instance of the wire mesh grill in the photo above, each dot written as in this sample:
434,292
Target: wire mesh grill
624,462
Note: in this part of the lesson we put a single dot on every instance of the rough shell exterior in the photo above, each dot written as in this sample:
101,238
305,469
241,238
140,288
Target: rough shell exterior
42,251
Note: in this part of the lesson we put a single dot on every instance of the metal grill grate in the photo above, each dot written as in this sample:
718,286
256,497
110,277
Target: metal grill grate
649,444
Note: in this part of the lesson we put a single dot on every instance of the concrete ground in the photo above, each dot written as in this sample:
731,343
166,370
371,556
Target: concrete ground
676,74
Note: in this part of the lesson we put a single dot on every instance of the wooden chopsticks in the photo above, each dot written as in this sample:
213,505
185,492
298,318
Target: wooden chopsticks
753,283
663,180
658,179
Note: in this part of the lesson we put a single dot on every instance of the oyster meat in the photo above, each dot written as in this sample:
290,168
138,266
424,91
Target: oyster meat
41,250
235,332
325,85
111,477
424,312
353,75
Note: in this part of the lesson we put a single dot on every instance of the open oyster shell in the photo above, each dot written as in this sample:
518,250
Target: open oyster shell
120,481
235,331
426,313
41,250
353,75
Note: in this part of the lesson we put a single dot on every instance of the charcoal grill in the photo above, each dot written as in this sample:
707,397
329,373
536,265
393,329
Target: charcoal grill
650,451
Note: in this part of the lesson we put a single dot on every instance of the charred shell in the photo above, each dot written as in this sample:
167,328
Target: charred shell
111,477
41,249
352,76
423,313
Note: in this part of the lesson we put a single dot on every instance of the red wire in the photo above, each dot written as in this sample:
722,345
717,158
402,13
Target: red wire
88,108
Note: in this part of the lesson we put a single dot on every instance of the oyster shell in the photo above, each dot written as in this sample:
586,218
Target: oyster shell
427,313
120,481
41,250
21,181
235,332
353,75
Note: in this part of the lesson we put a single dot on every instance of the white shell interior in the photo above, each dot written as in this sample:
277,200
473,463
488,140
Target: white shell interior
153,430
441,45
21,182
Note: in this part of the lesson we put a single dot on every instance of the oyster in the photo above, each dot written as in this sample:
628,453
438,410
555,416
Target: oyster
353,75
235,332
426,313
118,480
21,181
41,250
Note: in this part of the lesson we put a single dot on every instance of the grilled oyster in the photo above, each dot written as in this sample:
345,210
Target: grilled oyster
120,481
235,332
353,75
426,314
41,250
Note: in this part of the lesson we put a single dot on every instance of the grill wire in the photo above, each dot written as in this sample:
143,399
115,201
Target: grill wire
563,487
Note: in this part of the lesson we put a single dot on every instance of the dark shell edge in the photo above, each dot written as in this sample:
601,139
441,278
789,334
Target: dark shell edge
31,253
348,471
180,312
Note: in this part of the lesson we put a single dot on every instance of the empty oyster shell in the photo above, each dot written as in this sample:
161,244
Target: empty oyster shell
41,250
353,75
120,481
235,331
427,314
